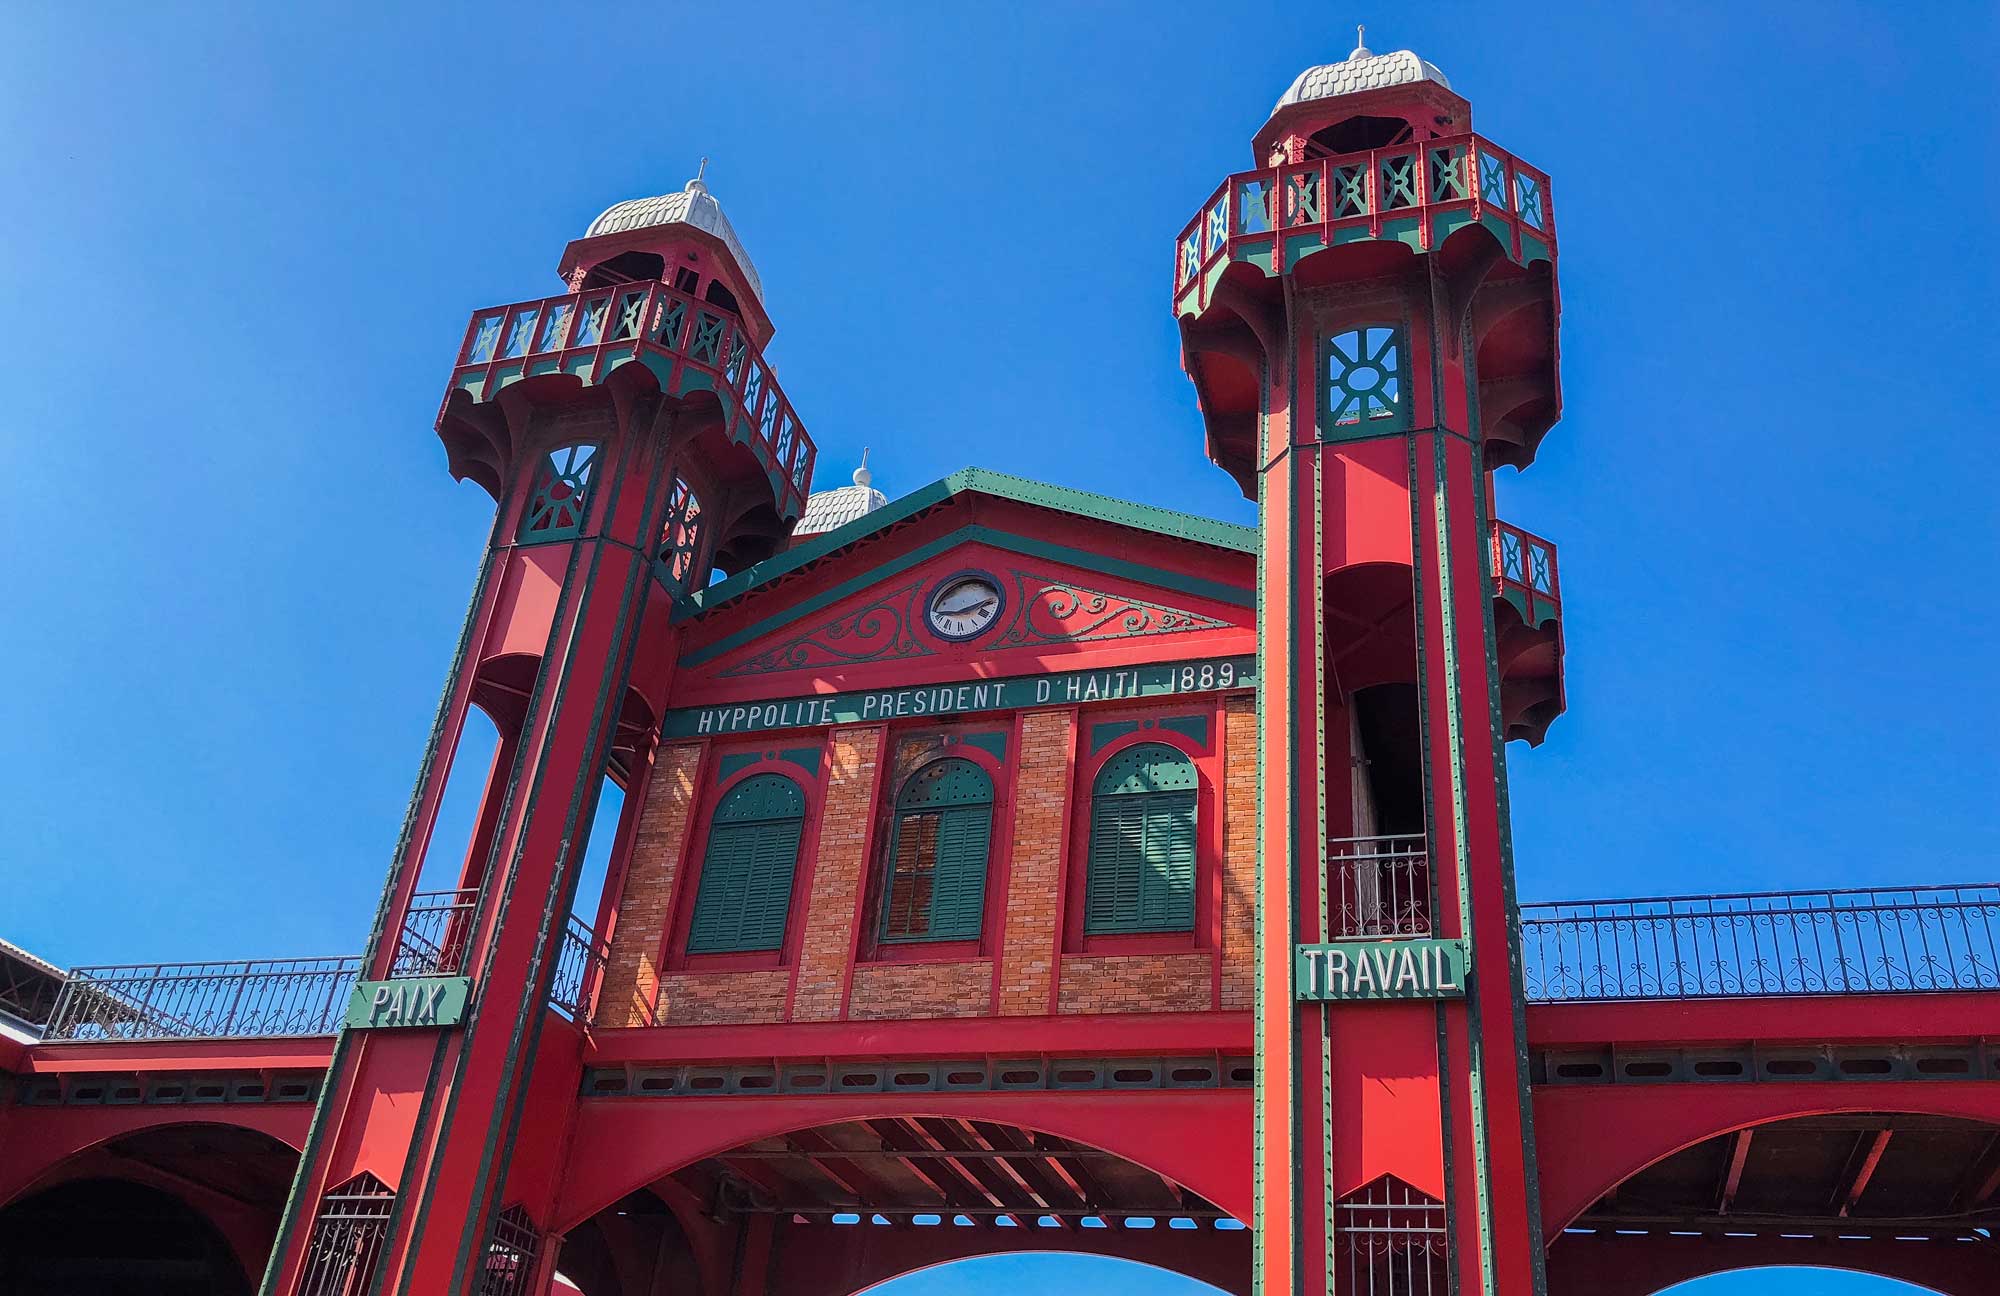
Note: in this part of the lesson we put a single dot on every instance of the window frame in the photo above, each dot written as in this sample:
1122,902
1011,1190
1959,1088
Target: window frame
676,956
896,815
954,742
1204,935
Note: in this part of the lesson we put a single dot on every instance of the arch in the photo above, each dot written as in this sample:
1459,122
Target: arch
744,893
1087,1261
809,1202
180,1196
1140,874
1885,1191
935,868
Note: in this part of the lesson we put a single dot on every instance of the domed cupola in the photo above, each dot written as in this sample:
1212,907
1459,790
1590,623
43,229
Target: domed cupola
681,238
1365,101
829,510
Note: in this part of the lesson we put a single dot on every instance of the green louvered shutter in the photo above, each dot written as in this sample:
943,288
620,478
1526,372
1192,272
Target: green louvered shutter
937,857
1142,844
746,875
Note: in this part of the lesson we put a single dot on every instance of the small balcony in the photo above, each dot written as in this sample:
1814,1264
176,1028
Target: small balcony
1415,193
1524,566
1527,624
1381,887
689,345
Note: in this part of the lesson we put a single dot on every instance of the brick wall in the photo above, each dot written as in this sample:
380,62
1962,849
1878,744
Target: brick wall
922,990
1129,983
715,998
837,874
1239,852
1034,890
631,988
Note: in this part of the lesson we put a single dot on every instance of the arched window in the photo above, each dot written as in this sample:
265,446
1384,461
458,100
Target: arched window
561,496
1142,843
680,539
746,876
936,883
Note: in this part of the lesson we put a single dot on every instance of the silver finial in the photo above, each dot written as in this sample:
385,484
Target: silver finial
699,184
862,477
1361,49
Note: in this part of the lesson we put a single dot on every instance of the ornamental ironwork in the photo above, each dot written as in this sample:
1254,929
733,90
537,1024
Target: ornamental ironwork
510,1255
1381,886
437,930
561,497
1391,1240
1363,373
680,539
189,1001
1051,611
1764,943
348,1238
884,629
578,965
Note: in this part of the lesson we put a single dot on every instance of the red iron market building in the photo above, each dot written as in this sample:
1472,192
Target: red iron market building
1004,867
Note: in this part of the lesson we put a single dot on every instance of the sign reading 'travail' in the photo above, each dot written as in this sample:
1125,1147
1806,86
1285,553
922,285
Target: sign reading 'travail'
1063,688
1390,969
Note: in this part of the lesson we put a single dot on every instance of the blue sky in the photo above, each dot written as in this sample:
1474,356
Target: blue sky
242,241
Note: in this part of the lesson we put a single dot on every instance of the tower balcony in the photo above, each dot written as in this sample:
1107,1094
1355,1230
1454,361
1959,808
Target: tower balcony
1527,623
689,345
1415,194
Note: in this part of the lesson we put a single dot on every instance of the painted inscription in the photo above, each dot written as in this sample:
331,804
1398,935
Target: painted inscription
415,1001
1062,689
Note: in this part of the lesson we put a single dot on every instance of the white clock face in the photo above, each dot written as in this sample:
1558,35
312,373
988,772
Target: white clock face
964,606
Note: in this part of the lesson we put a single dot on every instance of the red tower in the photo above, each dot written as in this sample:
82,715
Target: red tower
1370,321
634,440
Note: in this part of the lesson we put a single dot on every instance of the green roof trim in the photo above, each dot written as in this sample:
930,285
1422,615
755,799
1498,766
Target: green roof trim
1103,508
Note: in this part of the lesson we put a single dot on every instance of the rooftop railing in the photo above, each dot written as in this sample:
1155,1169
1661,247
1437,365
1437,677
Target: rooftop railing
587,334
1418,191
1764,943
273,998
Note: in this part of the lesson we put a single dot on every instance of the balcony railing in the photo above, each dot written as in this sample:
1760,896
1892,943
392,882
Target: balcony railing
1381,886
1524,570
582,958
1418,191
588,334
193,1001
268,998
1764,943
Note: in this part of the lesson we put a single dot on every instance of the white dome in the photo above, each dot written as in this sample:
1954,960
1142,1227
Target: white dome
1361,70
693,205
828,509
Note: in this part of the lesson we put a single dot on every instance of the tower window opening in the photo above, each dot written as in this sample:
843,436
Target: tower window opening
1357,135
935,888
686,280
1363,369
681,538
560,499
626,267
1380,875
717,295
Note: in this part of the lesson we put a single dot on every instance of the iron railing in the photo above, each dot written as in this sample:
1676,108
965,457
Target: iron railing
437,931
1381,886
1392,1240
582,958
190,1001
1525,562
1418,191
693,344
1764,943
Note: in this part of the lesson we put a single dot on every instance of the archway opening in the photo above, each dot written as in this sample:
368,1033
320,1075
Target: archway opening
1045,1271
178,1210
1789,1281
1887,1195
842,1207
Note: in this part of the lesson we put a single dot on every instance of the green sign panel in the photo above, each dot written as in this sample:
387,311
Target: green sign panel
1206,675
1345,971
414,1001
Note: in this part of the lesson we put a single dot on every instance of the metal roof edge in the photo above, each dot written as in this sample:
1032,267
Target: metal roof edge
1066,499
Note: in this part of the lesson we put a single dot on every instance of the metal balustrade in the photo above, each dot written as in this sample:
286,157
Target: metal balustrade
1764,943
698,346
1524,561
1381,886
582,958
268,998
1417,191
241,999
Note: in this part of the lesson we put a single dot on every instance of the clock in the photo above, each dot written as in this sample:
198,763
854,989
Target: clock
964,606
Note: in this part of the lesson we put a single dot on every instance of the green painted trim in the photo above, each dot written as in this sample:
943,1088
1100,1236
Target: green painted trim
806,758
1110,732
729,765
1235,595
1194,727
993,744
981,481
